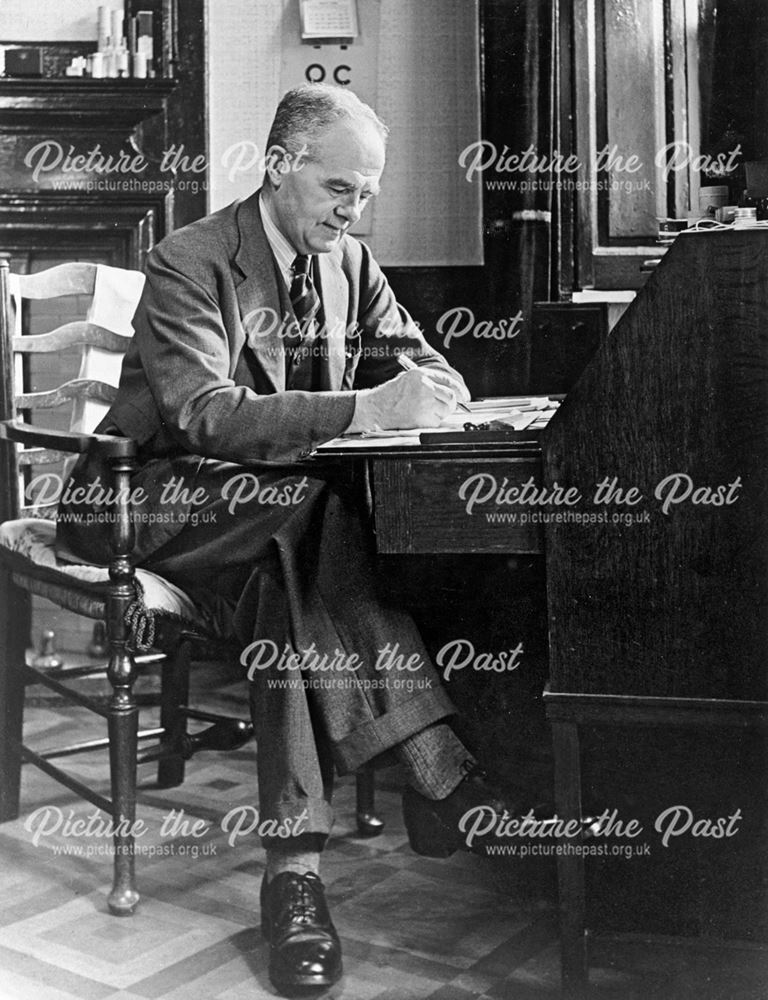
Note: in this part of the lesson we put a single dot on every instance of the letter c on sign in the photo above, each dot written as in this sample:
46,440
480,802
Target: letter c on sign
315,73
343,81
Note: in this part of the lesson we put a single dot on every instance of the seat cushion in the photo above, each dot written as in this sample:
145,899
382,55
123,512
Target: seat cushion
29,545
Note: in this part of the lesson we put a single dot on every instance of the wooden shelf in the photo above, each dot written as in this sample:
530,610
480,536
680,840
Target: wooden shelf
36,105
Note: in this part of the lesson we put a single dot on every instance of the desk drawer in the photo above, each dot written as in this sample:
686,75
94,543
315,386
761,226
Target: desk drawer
422,505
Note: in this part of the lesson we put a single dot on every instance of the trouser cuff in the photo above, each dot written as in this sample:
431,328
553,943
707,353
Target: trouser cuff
379,734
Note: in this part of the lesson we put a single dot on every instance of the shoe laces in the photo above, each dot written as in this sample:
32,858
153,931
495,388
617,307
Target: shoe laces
301,905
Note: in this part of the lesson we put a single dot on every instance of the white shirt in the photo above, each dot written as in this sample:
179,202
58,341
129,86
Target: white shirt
283,252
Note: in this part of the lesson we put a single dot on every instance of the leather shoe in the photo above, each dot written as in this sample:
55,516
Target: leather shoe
304,946
471,818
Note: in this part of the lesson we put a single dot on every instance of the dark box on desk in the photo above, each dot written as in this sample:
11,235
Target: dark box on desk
24,62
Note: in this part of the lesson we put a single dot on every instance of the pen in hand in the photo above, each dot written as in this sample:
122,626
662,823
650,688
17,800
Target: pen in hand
405,362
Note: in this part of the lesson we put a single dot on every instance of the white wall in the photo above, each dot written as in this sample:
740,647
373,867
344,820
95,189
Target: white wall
244,55
51,20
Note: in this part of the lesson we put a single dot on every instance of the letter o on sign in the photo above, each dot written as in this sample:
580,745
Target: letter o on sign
315,73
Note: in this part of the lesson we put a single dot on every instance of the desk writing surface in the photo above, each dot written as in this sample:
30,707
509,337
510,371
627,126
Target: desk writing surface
516,413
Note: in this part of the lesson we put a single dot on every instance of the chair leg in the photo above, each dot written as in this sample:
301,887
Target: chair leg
174,692
123,725
368,823
123,717
15,623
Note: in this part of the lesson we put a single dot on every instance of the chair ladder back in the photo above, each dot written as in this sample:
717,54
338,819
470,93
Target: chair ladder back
102,336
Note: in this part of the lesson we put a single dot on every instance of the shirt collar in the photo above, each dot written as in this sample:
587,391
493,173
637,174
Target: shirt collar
283,252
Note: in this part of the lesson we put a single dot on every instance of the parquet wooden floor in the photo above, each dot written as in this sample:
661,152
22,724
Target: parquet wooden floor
411,928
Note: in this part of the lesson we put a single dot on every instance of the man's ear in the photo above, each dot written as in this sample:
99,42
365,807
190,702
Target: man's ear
276,163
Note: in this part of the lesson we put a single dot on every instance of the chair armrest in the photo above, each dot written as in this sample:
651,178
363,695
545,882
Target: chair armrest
106,444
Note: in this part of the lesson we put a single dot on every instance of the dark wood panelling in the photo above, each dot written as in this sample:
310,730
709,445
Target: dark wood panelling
78,105
674,604
72,225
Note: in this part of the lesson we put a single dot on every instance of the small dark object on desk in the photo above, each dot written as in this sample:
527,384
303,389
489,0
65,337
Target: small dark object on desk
24,61
477,434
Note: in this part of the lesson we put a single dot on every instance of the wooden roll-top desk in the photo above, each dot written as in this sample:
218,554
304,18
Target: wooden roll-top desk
658,608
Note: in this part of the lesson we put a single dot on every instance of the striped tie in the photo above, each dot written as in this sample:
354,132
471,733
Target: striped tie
304,297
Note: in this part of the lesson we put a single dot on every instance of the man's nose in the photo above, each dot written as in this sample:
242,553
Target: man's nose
350,209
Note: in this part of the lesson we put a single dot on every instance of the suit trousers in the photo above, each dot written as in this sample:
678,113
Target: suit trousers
338,673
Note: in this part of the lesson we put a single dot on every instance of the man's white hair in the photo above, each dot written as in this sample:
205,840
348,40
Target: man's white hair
305,112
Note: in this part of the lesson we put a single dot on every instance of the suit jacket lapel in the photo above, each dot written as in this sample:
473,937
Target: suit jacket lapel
258,295
334,292
261,302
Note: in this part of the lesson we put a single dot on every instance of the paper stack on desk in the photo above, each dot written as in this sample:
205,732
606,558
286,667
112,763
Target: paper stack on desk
513,412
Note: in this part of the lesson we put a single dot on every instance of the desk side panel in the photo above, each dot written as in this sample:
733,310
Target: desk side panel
676,602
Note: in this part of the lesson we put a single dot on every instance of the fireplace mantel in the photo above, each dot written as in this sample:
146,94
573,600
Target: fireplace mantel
82,105
54,197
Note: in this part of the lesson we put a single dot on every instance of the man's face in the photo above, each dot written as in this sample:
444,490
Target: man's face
315,204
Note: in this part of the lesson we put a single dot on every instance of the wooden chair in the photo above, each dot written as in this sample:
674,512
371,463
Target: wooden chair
162,630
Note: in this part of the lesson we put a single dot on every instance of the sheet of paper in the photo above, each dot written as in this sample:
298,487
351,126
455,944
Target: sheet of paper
402,439
515,402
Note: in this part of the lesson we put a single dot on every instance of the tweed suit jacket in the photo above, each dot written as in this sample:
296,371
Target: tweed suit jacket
204,379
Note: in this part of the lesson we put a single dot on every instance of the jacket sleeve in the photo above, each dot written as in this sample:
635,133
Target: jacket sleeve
387,330
185,356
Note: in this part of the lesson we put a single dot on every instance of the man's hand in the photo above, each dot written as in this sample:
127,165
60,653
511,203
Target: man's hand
420,397
454,383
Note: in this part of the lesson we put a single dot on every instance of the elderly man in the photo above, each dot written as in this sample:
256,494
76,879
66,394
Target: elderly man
265,330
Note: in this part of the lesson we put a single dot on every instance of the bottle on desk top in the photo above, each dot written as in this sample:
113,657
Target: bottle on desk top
745,218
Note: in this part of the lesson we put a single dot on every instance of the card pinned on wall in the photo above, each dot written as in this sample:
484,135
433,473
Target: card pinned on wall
328,20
